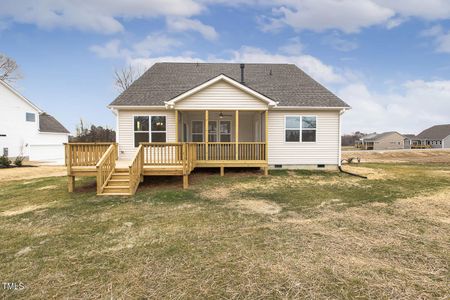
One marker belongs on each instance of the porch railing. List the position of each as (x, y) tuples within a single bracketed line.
[(105, 168), (163, 153), (226, 151)]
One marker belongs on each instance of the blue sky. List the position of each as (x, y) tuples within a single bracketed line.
[(390, 60)]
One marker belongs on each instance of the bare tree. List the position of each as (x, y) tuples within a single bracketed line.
[(125, 77), (9, 69)]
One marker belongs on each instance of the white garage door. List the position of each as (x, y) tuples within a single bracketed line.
[(51, 154)]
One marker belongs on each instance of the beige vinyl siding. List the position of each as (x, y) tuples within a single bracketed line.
[(392, 141), (324, 151), (221, 96), (125, 129), (446, 142)]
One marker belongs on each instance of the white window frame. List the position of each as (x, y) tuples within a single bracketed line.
[(30, 113), (230, 134), (217, 130), (149, 128), (301, 128), (203, 131)]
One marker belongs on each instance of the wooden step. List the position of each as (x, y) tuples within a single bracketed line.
[(120, 176), (116, 189), (119, 182), (122, 170)]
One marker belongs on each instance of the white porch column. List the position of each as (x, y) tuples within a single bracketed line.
[(237, 134)]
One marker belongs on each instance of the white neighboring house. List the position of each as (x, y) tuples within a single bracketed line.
[(26, 130)]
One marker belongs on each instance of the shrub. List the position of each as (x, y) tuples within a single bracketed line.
[(4, 161), (19, 160)]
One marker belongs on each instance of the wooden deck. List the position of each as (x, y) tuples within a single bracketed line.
[(122, 177)]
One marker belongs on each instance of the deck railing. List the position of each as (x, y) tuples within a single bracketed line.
[(86, 154), (226, 151), (163, 153), (105, 168), (136, 169)]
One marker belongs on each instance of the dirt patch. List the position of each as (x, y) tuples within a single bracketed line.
[(218, 193), (48, 187), (22, 210), (31, 173), (23, 251), (257, 206), (370, 173), (398, 156)]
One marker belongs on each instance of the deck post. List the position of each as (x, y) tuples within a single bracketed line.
[(266, 132), (185, 181), (70, 183), (206, 134), (222, 170), (176, 126), (237, 133)]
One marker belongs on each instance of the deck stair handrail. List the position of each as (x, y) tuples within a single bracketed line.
[(136, 169), (105, 167)]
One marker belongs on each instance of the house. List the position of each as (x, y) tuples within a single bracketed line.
[(181, 116), (390, 140), (409, 140), (26, 130), (437, 136)]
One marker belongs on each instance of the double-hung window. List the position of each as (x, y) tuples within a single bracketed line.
[(300, 128), (149, 129), (212, 131), (197, 131)]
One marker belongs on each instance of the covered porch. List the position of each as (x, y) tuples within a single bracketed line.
[(225, 138)]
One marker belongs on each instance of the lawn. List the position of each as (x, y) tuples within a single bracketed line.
[(294, 234)]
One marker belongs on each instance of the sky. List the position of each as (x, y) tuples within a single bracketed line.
[(389, 60)]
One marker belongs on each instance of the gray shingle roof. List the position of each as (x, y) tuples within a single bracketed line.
[(48, 123), (437, 132), (284, 83), (379, 136)]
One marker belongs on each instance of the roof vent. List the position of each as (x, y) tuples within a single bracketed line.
[(242, 73)]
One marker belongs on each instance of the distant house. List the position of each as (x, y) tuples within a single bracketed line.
[(391, 140), (437, 136), (409, 140), (26, 130)]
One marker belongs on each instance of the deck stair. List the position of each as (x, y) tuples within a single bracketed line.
[(119, 183)]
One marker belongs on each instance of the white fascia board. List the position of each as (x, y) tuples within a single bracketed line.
[(21, 96), (136, 107), (343, 109), (234, 83)]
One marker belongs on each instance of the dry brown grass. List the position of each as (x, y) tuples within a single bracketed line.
[(31, 172), (212, 242), (407, 156)]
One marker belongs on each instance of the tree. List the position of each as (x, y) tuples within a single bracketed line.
[(93, 134), (125, 77), (9, 69)]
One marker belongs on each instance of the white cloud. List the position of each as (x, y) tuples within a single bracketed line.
[(153, 44), (293, 47), (310, 64), (94, 15), (441, 38), (185, 24), (418, 105), (111, 49), (339, 43), (349, 16)]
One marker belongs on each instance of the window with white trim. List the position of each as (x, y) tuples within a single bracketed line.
[(149, 129), (30, 117), (212, 131), (225, 131), (292, 128), (300, 128), (197, 131)]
